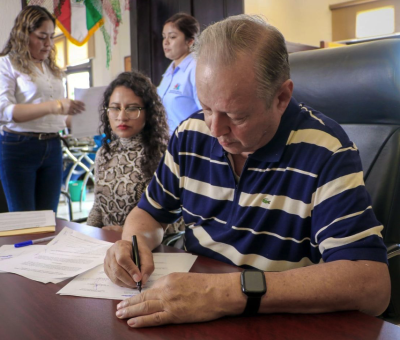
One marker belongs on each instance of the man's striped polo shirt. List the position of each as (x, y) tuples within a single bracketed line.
[(300, 199)]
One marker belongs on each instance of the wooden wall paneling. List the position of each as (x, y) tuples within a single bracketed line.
[(185, 6), (234, 7), (161, 10), (144, 36), (133, 21), (147, 19), (208, 11)]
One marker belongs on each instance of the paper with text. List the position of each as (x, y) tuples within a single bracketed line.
[(96, 284), (26, 222), (8, 251), (87, 123), (70, 253)]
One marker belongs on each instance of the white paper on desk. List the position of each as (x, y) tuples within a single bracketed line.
[(96, 284), (8, 251), (179, 262), (26, 219), (86, 124), (70, 253)]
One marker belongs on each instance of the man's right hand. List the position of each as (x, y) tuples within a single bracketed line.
[(120, 268)]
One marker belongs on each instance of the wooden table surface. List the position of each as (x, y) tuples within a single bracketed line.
[(32, 310)]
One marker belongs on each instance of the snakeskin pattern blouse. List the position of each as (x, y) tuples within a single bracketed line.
[(119, 182)]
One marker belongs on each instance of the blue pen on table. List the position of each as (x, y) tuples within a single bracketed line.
[(136, 259), (30, 242)]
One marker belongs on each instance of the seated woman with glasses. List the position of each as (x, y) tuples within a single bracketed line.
[(134, 122)]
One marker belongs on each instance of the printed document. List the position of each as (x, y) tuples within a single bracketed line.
[(27, 222), (96, 284), (8, 251), (87, 123), (70, 253)]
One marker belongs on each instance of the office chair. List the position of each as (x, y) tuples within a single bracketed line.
[(78, 164), (359, 87), (176, 240)]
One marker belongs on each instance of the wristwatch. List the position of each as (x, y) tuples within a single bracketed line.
[(254, 286)]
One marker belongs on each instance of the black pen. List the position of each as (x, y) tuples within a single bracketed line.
[(136, 259)]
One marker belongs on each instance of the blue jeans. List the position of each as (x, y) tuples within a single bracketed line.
[(30, 171)]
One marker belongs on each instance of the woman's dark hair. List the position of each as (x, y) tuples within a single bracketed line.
[(155, 134), (187, 24), (17, 46)]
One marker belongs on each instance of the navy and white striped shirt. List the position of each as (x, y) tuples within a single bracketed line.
[(300, 199)]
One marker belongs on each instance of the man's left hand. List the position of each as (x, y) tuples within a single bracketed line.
[(184, 298)]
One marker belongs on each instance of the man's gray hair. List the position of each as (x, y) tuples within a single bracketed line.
[(226, 40)]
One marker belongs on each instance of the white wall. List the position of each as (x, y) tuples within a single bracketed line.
[(101, 75), (300, 21), (9, 10)]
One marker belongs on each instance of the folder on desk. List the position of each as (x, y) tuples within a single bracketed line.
[(27, 222)]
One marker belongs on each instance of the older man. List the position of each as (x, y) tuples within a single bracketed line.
[(262, 182)]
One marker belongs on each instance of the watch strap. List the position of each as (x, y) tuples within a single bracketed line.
[(252, 306)]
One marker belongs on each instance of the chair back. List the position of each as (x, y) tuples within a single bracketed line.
[(359, 87)]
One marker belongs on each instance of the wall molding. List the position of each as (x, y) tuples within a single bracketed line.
[(350, 4)]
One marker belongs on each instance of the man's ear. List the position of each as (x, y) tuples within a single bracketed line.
[(283, 95)]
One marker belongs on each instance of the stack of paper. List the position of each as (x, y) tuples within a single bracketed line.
[(27, 222), (70, 253), (8, 251), (96, 284)]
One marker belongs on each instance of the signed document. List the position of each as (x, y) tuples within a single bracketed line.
[(96, 284)]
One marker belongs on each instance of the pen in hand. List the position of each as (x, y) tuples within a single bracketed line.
[(136, 259), (28, 243)]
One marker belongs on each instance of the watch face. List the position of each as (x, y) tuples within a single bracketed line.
[(253, 282)]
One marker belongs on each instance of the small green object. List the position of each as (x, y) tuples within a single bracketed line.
[(265, 200), (75, 190)]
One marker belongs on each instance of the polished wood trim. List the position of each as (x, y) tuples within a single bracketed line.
[(350, 4), (127, 64)]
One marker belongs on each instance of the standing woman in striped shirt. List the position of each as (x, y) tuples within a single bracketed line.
[(32, 112)]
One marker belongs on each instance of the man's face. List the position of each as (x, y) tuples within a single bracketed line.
[(232, 111)]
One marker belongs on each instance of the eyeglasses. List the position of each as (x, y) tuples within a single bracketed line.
[(132, 112)]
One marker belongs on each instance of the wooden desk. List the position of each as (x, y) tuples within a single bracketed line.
[(32, 310)]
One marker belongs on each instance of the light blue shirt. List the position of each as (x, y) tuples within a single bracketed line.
[(178, 91)]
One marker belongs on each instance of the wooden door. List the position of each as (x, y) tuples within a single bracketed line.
[(147, 19)]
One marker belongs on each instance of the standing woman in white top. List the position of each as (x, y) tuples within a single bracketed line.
[(32, 112), (178, 88)]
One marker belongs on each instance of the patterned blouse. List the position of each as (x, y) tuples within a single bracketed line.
[(119, 182)]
